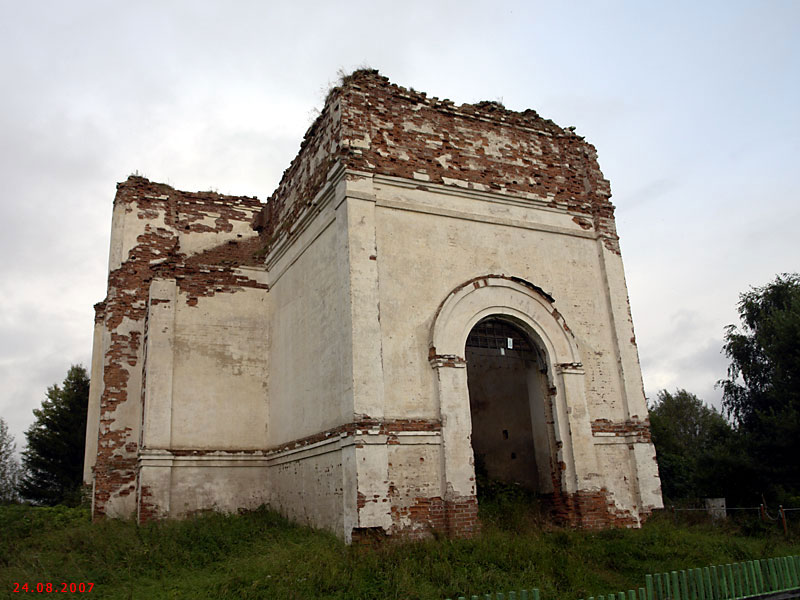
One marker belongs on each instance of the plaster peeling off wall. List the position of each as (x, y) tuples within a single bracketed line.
[(153, 227), (310, 352)]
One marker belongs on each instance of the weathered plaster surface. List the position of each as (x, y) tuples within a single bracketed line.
[(310, 352), (219, 391)]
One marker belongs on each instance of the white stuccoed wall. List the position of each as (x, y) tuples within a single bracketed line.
[(327, 376)]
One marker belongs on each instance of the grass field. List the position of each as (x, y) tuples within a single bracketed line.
[(261, 555)]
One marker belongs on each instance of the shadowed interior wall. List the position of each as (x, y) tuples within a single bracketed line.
[(503, 374)]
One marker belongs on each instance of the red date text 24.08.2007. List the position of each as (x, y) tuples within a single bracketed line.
[(52, 588)]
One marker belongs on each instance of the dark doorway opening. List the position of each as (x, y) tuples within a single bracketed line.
[(507, 380)]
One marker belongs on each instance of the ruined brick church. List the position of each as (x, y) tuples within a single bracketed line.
[(432, 297)]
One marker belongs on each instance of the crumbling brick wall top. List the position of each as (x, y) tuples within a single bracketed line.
[(162, 217), (141, 189), (370, 124)]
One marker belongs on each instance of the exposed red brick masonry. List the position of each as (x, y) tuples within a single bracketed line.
[(367, 125), (148, 511), (157, 253), (589, 510), (456, 518), (370, 124), (388, 427), (632, 427)]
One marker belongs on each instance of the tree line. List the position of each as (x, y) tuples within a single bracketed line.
[(748, 453), (751, 451), (51, 471)]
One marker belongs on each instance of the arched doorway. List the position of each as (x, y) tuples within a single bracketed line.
[(508, 387), (564, 451)]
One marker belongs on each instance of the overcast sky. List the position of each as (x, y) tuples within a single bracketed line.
[(693, 107)]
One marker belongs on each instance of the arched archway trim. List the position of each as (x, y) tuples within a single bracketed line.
[(533, 310), (512, 297)]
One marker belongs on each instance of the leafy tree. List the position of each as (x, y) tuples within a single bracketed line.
[(762, 391), (53, 459), (695, 447), (9, 466)]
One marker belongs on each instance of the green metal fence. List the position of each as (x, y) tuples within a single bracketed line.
[(520, 595), (721, 582)]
